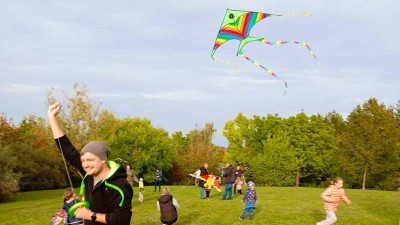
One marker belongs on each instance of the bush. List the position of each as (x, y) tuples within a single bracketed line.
[(38, 171), (8, 184), (8, 179)]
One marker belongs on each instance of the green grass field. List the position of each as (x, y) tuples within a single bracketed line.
[(276, 205)]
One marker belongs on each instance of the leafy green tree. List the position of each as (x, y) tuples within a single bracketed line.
[(201, 148), (147, 148), (276, 165), (34, 132), (339, 124), (83, 119), (313, 143), (8, 179), (246, 136), (181, 146), (371, 142), (80, 116), (238, 132), (38, 171), (9, 133), (195, 149), (337, 121)]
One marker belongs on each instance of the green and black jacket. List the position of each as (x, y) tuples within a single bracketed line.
[(112, 196)]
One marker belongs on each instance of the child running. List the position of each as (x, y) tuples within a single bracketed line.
[(331, 197), (250, 197)]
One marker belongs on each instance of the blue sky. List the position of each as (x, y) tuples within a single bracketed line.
[(151, 59)]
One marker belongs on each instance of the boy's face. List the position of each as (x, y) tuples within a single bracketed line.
[(252, 187), (92, 164)]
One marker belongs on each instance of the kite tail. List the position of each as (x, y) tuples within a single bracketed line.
[(305, 44), (263, 67), (296, 14), (230, 64)]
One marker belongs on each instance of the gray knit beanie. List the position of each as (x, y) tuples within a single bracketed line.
[(98, 148)]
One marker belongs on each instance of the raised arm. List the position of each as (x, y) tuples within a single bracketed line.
[(52, 114)]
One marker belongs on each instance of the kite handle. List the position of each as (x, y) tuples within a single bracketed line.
[(71, 211)]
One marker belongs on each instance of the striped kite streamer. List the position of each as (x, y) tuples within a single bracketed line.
[(263, 67)]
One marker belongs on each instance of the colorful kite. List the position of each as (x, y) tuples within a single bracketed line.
[(245, 167), (237, 25), (211, 181)]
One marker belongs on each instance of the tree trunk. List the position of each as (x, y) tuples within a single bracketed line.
[(298, 178), (364, 178)]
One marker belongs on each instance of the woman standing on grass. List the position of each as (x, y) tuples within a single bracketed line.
[(332, 196), (203, 171)]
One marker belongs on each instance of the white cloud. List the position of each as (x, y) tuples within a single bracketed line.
[(20, 88), (232, 81), (178, 96)]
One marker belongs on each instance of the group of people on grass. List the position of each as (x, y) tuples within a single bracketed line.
[(108, 194), (233, 180)]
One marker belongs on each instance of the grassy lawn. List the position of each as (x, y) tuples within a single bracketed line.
[(276, 205)]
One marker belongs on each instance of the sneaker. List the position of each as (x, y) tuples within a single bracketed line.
[(240, 218)]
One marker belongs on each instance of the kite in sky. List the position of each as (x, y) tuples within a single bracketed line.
[(237, 25)]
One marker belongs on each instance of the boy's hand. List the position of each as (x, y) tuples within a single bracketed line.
[(54, 109)]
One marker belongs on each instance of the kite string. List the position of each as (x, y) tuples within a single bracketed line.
[(65, 164), (229, 64), (263, 67), (296, 14)]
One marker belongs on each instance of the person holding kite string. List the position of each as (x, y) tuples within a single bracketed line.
[(108, 195)]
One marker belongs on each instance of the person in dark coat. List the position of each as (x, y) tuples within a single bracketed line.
[(167, 205), (203, 171), (229, 179), (104, 184), (157, 180)]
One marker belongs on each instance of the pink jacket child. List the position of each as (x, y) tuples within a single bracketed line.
[(239, 185), (332, 197)]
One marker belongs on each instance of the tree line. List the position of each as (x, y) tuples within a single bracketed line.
[(299, 150)]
